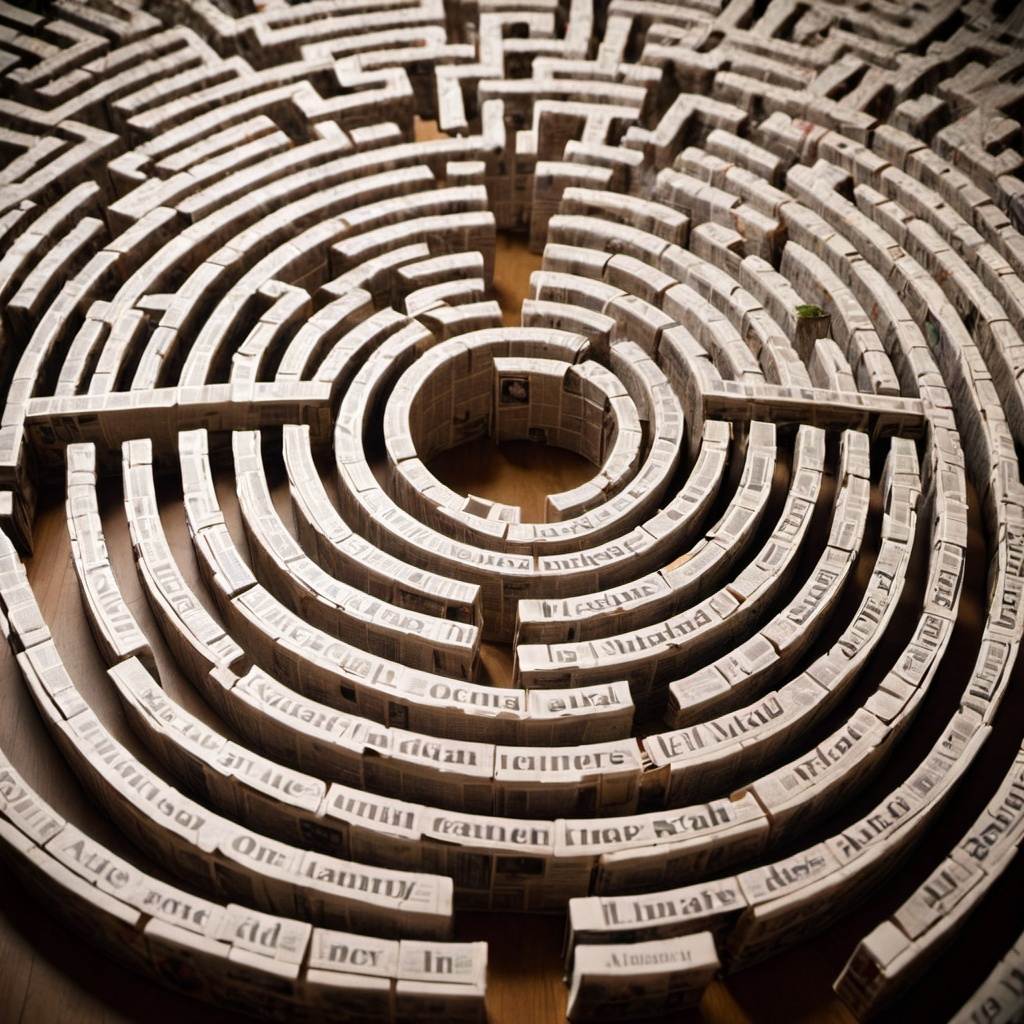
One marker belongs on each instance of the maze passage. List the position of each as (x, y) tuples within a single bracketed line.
[(750, 682)]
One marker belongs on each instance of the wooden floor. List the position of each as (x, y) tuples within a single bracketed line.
[(47, 976)]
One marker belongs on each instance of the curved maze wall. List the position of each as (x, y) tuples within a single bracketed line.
[(764, 660)]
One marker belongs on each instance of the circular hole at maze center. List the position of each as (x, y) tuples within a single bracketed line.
[(521, 473)]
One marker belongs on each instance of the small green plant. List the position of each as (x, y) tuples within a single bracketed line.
[(809, 311)]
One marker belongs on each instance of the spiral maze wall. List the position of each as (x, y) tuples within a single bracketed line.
[(247, 299)]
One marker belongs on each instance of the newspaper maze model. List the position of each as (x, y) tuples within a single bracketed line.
[(779, 310)]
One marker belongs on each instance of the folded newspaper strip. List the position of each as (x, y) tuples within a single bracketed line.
[(631, 981)]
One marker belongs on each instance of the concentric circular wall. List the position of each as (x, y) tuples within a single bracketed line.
[(726, 725)]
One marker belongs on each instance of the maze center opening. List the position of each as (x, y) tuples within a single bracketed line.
[(521, 473)]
